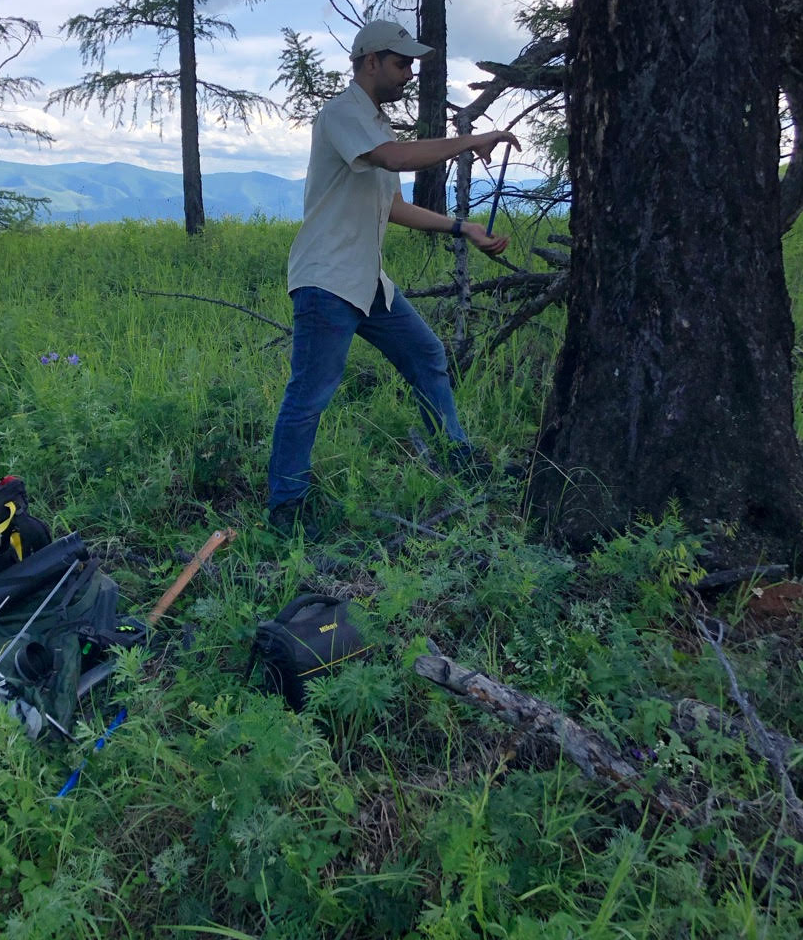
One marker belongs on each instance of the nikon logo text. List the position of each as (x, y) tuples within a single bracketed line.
[(327, 627)]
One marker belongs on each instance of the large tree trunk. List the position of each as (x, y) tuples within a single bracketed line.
[(190, 154), (429, 189), (675, 377)]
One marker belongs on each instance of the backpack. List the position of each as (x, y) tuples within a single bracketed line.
[(58, 614), (306, 639), (20, 533)]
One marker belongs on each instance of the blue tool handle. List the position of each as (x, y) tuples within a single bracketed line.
[(101, 741), (498, 191), (119, 719), (71, 782)]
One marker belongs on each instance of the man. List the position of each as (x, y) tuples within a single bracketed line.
[(335, 275)]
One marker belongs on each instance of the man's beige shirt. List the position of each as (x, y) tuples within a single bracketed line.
[(346, 203)]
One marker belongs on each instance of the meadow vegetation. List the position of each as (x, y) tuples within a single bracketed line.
[(385, 809)]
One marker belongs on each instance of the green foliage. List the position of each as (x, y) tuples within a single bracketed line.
[(384, 810), (309, 86), (647, 563), (155, 90), (348, 704), (17, 210)]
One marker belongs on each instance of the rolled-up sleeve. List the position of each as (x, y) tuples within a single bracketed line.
[(353, 133)]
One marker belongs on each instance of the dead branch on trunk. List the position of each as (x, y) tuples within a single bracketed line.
[(527, 76), (521, 279), (554, 293), (223, 303), (553, 257), (541, 721), (536, 64), (534, 57)]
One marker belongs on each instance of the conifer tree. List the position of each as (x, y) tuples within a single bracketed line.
[(16, 35), (126, 93)]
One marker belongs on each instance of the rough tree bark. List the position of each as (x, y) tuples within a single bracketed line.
[(190, 152), (675, 377), (429, 188)]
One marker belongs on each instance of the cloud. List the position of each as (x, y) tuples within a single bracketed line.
[(272, 147), (475, 31)]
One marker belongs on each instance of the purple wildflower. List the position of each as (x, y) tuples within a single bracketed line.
[(74, 359), (44, 360), (53, 357), (643, 753)]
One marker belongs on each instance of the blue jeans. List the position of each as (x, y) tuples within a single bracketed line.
[(323, 327)]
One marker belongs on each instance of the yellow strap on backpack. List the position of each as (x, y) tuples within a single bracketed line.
[(14, 538), (11, 506)]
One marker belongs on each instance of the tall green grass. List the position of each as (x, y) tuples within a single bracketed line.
[(385, 810)]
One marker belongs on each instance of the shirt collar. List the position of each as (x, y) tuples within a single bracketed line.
[(364, 100)]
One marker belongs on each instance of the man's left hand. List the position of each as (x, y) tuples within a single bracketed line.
[(490, 244)]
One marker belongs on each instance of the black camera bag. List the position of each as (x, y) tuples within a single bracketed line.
[(307, 638)]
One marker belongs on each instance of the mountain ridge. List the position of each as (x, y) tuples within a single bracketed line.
[(111, 192), (84, 192)]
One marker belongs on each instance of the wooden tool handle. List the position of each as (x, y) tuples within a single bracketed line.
[(215, 540)]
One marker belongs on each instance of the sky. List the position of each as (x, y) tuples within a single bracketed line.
[(249, 62)]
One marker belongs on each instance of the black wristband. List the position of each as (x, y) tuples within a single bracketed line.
[(457, 228)]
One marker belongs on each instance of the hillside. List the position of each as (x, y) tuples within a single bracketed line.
[(111, 192)]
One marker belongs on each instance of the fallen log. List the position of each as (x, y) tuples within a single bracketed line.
[(536, 718), (542, 723), (723, 579), (763, 741), (690, 714)]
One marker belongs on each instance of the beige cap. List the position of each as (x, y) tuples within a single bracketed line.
[(379, 35)]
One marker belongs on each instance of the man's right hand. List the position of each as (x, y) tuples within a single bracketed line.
[(490, 244), (484, 144)]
